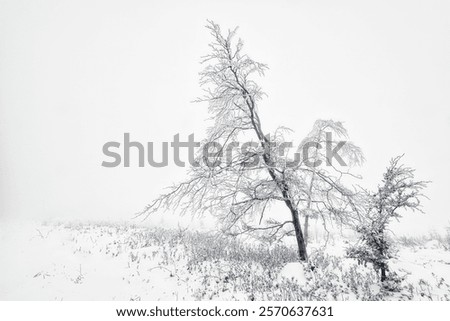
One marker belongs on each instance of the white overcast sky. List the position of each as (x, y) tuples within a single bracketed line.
[(76, 74)]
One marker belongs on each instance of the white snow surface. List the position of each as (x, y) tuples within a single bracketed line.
[(56, 262), (294, 271)]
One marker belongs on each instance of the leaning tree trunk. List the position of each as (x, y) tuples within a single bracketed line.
[(301, 244), (285, 191), (299, 236), (306, 227), (280, 182), (288, 200)]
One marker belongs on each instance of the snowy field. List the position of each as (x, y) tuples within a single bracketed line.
[(123, 262)]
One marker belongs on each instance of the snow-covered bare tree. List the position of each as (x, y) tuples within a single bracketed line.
[(323, 200), (398, 191), (240, 190)]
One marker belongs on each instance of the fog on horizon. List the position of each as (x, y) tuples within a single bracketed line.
[(73, 79)]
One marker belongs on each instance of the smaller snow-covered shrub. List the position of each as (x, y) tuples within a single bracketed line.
[(399, 190)]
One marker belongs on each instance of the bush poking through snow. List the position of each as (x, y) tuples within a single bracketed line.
[(398, 191)]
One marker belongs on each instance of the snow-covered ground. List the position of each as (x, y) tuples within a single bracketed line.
[(123, 262)]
